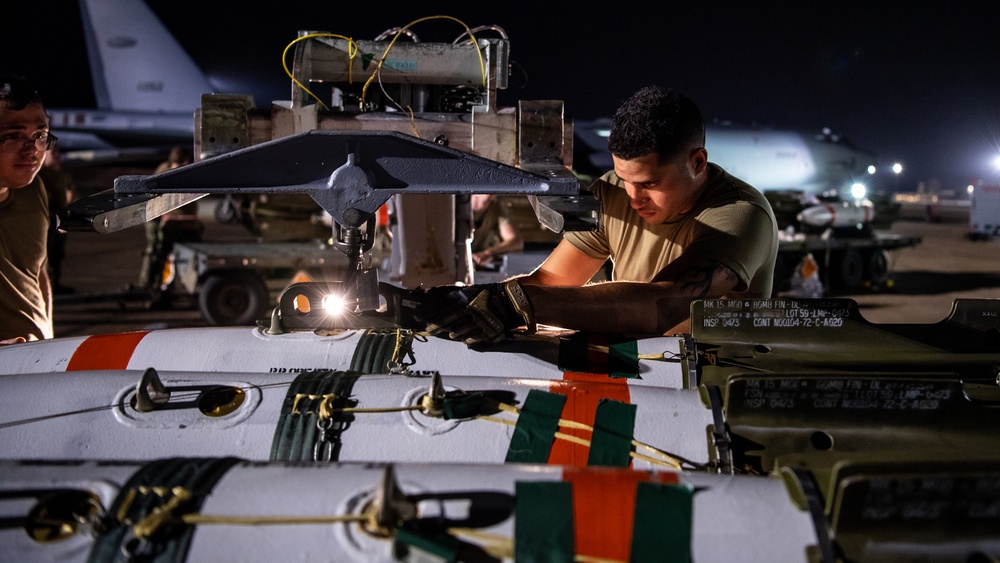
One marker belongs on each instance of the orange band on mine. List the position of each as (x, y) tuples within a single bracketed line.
[(105, 351), (604, 508), (583, 391)]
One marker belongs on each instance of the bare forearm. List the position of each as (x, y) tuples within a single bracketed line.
[(512, 245), (618, 307), (631, 307)]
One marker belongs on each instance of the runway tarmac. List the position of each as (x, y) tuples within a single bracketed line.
[(926, 279)]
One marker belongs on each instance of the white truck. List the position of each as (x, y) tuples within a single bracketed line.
[(984, 211)]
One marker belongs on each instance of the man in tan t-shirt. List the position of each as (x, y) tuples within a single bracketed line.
[(25, 296), (677, 228)]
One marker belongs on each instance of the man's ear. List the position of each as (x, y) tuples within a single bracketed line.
[(698, 161)]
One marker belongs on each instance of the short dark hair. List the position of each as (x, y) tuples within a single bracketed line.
[(16, 93), (180, 155), (657, 120)]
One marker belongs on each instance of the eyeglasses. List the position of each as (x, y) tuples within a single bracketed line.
[(41, 141)]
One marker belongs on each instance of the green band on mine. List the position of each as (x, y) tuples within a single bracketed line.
[(662, 529), (536, 428), (623, 359), (614, 426), (543, 521)]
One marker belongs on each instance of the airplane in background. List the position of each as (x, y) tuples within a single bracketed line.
[(148, 88), (821, 165), (146, 85)]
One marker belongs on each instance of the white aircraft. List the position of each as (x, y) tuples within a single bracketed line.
[(770, 160), (146, 86)]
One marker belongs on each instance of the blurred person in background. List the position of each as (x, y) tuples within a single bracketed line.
[(493, 234), (179, 225)]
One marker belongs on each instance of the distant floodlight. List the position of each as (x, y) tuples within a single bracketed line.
[(871, 168), (858, 191), (970, 188), (996, 162), (897, 168)]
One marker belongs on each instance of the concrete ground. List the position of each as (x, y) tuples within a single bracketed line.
[(926, 279)]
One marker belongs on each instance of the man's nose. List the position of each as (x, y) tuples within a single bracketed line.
[(637, 197)]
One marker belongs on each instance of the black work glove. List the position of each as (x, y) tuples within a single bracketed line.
[(476, 314)]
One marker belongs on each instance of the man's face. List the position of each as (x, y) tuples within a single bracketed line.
[(20, 161), (659, 191)]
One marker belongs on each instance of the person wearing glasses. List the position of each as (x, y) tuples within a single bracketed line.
[(25, 295)]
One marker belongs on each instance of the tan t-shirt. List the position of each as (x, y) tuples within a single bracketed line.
[(24, 223), (487, 227), (732, 223)]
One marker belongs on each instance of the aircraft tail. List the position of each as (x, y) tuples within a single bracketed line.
[(135, 62)]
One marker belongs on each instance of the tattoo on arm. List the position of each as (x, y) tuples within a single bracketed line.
[(698, 280)]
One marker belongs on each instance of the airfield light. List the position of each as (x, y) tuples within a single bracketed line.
[(858, 191), (970, 188), (897, 168), (996, 162), (333, 304), (871, 168)]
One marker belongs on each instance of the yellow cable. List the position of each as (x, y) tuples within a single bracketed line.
[(574, 439), (147, 526), (497, 419), (352, 51), (591, 559), (269, 520), (502, 547), (495, 545), (669, 460), (378, 68), (380, 410), (397, 351), (326, 408)]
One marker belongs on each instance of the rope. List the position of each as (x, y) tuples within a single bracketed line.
[(381, 60), (352, 51), (668, 460), (494, 544), (326, 409), (203, 519), (148, 526), (403, 347)]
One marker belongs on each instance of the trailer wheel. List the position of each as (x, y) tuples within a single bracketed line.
[(851, 269), (232, 298), (878, 267), (225, 210)]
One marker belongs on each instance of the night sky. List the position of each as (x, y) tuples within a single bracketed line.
[(917, 82)]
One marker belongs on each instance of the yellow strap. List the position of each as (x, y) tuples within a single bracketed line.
[(325, 406), (665, 460), (203, 519), (326, 409), (148, 525)]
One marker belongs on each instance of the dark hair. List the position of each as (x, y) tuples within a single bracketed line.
[(16, 93), (180, 155), (657, 120)]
